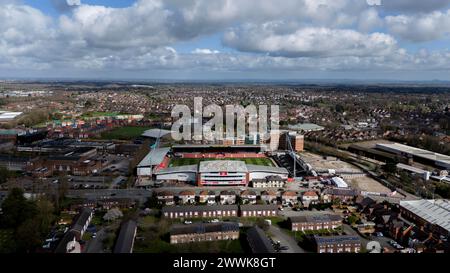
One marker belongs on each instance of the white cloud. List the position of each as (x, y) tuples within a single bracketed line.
[(204, 51), (271, 38), (426, 27)]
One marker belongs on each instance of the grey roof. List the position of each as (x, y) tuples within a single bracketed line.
[(156, 133), (200, 228), (155, 157), (81, 219), (342, 239), (258, 241), (434, 211), (306, 127), (258, 207), (179, 169), (125, 240), (341, 192), (199, 208), (441, 159), (62, 245), (222, 166), (268, 169), (319, 218)]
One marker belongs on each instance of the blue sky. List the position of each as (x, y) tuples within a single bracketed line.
[(225, 39)]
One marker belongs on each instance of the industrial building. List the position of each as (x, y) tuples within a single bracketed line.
[(432, 215), (422, 173), (423, 156)]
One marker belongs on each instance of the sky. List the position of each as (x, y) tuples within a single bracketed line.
[(225, 39)]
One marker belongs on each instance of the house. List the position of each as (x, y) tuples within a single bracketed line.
[(315, 222), (258, 241), (125, 240), (81, 222), (309, 197), (337, 244), (122, 203), (175, 212), (258, 210), (227, 197), (341, 194), (204, 232), (289, 198), (273, 181), (248, 197), (269, 197), (207, 197), (165, 198), (186, 197), (69, 244)]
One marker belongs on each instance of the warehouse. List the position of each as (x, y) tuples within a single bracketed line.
[(434, 215), (423, 156)]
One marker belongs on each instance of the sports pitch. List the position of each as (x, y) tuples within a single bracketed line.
[(192, 161)]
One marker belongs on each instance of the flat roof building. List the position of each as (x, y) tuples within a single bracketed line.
[(434, 215)]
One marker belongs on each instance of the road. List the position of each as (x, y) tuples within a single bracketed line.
[(285, 240)]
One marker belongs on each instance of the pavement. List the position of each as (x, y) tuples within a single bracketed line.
[(285, 240)]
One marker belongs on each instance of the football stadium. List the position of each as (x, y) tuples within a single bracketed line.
[(204, 165)]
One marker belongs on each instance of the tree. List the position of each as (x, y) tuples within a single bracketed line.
[(17, 209), (28, 236), (5, 174)]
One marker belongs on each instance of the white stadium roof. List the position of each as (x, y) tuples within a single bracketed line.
[(222, 166), (155, 157), (156, 133), (434, 211), (268, 169)]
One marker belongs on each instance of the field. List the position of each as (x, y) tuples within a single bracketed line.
[(124, 133), (192, 161), (99, 114)]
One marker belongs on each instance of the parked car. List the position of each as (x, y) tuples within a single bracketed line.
[(187, 222)]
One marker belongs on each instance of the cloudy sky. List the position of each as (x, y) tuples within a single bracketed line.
[(225, 39)]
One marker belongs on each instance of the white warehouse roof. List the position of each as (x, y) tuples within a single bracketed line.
[(434, 211), (222, 166), (156, 133), (339, 182)]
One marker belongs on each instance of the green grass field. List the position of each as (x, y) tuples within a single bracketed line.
[(192, 161), (124, 133)]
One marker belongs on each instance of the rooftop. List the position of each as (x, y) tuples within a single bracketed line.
[(342, 239), (156, 133), (258, 241), (179, 169), (268, 169), (126, 236), (306, 127), (434, 211), (199, 208), (222, 166), (155, 157), (319, 218), (200, 228), (441, 159)]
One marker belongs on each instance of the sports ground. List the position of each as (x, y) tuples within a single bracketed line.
[(192, 161)]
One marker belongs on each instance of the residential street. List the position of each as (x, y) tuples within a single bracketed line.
[(285, 240)]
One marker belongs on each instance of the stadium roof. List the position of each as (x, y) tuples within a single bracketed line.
[(222, 166), (434, 211), (155, 157), (179, 169), (156, 133), (268, 169), (439, 159), (306, 127)]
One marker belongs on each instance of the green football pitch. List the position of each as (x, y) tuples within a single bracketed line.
[(193, 161)]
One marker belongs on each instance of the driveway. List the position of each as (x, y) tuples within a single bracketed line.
[(285, 240)]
